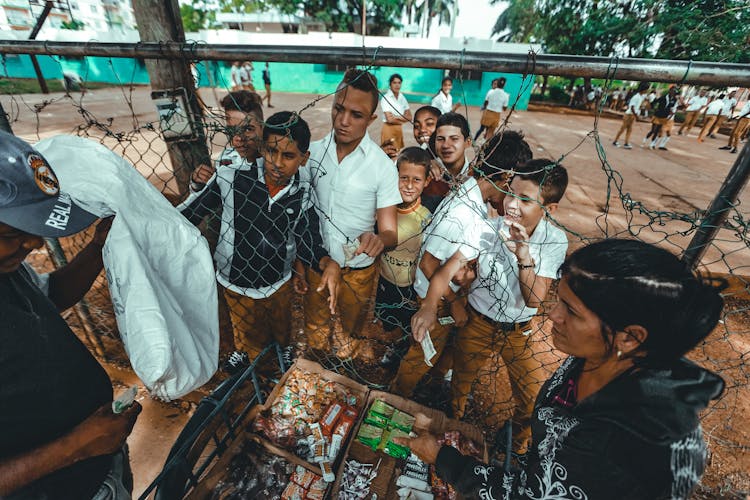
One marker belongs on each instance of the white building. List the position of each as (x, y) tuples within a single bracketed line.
[(96, 15)]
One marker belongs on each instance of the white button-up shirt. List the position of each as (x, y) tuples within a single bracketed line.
[(348, 194), (392, 104), (443, 102)]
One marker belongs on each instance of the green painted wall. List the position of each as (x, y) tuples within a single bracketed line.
[(419, 85)]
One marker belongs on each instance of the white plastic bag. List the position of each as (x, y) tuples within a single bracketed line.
[(159, 267)]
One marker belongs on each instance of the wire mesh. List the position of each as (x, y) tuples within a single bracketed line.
[(257, 240)]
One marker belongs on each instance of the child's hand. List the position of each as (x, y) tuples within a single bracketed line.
[(371, 244), (300, 284), (389, 148), (519, 240), (423, 321), (202, 174), (331, 280), (436, 170), (425, 446)]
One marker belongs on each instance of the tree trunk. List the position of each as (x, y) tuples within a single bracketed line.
[(544, 85)]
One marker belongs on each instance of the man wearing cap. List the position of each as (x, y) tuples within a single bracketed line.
[(60, 438)]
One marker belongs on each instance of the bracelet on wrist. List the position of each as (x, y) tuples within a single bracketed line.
[(530, 265)]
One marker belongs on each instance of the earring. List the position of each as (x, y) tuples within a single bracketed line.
[(619, 354)]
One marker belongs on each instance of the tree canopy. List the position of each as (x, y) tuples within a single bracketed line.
[(708, 30)]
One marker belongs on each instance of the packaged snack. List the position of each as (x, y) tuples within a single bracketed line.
[(335, 446), (319, 452), (293, 491), (369, 435), (317, 432), (330, 418), (392, 449), (317, 489), (327, 469), (383, 408), (303, 477), (402, 421)]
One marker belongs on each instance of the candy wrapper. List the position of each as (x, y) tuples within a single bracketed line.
[(253, 473), (356, 480)]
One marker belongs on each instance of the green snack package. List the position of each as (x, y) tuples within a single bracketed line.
[(403, 421), (383, 408), (376, 419), (369, 435), (395, 450)]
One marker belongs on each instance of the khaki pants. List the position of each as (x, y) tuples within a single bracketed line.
[(395, 132), (413, 367), (739, 129), (355, 291), (719, 122), (690, 118), (627, 127), (258, 322), (477, 343), (707, 124)]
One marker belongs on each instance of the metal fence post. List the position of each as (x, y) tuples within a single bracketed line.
[(719, 208)]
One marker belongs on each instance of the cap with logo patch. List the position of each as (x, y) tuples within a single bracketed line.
[(30, 196)]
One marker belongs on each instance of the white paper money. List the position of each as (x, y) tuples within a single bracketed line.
[(428, 348)]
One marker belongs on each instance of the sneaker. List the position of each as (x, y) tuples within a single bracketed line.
[(663, 148), (616, 144), (627, 146), (734, 151), (726, 148), (652, 146), (712, 136), (236, 362), (679, 132)]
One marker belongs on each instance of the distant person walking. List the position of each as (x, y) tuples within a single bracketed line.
[(235, 76), (729, 104), (443, 100), (695, 107), (494, 103), (663, 108), (712, 115), (396, 112), (267, 84), (742, 126), (246, 76), (634, 106)]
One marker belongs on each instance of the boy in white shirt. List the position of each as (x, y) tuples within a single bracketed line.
[(712, 115), (495, 103), (634, 106), (729, 104), (743, 124), (695, 107), (519, 256)]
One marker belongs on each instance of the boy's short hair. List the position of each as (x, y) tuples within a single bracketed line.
[(446, 79), (501, 82), (455, 120), (243, 100), (363, 81), (643, 86), (417, 156), (428, 109), (501, 154), (288, 124), (393, 77), (549, 175)]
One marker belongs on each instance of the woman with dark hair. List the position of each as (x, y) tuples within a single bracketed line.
[(396, 112), (619, 419)]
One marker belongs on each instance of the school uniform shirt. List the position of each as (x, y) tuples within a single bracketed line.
[(729, 104), (496, 291), (399, 265), (443, 102), (497, 100), (456, 226), (634, 103), (260, 236), (665, 106), (348, 194), (715, 107), (745, 111), (392, 104), (696, 102)]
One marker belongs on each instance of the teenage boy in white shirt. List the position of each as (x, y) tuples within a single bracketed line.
[(695, 107), (355, 183), (634, 106), (729, 104)]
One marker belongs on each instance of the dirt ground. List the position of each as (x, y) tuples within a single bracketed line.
[(668, 184)]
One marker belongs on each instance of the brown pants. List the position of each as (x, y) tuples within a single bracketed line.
[(719, 122), (627, 127), (477, 343), (258, 322), (354, 293), (739, 129), (690, 118), (413, 367), (395, 132), (707, 124)]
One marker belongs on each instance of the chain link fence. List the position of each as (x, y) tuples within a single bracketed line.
[(255, 243)]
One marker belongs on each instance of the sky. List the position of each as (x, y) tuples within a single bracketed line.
[(475, 19)]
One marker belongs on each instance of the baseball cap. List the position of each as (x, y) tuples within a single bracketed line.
[(30, 195)]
